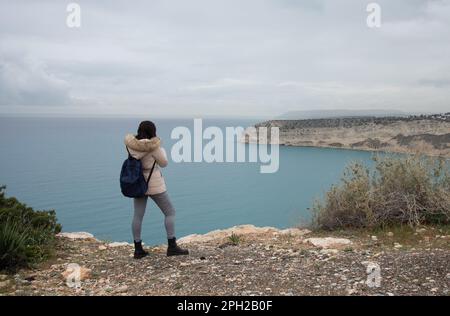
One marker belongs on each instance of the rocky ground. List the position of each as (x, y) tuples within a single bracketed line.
[(247, 260)]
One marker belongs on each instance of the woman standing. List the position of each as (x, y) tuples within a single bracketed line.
[(145, 146)]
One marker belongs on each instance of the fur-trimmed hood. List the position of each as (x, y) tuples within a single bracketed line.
[(143, 145)]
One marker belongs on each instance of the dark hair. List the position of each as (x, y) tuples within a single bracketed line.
[(146, 130)]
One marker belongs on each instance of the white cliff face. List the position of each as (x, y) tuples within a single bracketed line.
[(428, 136), (252, 135)]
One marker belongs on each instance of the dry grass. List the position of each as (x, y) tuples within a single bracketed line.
[(410, 190)]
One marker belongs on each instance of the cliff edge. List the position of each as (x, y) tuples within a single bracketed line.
[(247, 260)]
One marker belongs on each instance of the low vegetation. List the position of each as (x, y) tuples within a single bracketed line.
[(411, 190), (234, 239), (26, 236)]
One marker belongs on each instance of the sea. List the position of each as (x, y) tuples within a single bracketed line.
[(72, 166)]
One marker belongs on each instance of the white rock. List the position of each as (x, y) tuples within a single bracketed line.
[(220, 234), (374, 238), (329, 251), (76, 235), (390, 234), (351, 291), (397, 245), (294, 232), (118, 244), (328, 242), (102, 247), (122, 289)]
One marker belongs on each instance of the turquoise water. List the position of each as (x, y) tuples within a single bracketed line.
[(72, 166)]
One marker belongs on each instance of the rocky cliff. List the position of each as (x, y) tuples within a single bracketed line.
[(415, 134)]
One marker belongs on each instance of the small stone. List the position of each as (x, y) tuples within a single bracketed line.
[(390, 294), (30, 278), (102, 247), (329, 251), (390, 234), (122, 289), (397, 245), (374, 238), (351, 291)]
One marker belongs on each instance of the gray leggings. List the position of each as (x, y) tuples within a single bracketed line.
[(163, 202)]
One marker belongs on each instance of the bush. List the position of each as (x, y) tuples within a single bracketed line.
[(410, 190), (26, 236)]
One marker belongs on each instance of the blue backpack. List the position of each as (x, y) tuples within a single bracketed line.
[(132, 181)]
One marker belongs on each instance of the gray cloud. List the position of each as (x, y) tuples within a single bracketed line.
[(438, 83), (224, 57), (24, 81)]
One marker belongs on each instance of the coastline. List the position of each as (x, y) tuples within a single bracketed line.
[(384, 151), (429, 136)]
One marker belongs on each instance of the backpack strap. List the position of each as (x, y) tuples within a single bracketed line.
[(151, 171)]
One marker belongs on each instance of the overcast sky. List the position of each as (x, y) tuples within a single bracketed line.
[(223, 57)]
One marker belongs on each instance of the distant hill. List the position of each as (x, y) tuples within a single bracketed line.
[(316, 114)]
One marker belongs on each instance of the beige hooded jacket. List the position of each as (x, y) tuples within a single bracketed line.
[(147, 151)]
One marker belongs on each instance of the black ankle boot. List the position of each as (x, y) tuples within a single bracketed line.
[(139, 252), (174, 250)]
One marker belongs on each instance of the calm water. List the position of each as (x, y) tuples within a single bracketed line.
[(72, 166)]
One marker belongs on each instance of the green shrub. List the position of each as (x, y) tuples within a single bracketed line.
[(410, 190), (26, 236), (12, 245), (234, 239)]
